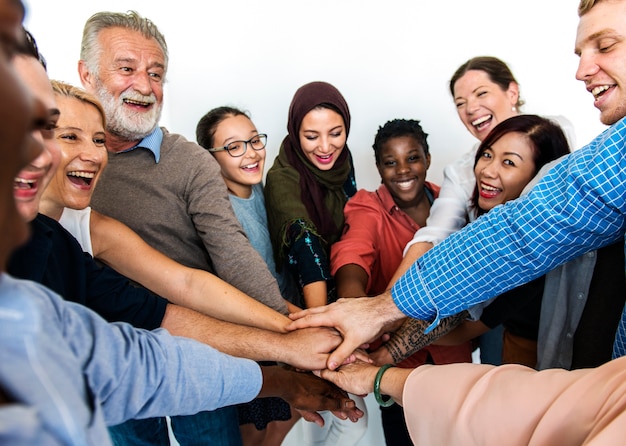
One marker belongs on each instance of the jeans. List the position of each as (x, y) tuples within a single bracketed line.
[(216, 428)]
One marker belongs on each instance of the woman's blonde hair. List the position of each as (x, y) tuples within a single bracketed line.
[(70, 91)]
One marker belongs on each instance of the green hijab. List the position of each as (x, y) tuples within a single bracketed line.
[(296, 190)]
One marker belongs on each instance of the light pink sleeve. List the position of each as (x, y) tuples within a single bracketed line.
[(471, 404)]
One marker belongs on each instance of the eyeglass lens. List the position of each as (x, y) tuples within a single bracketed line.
[(238, 148)]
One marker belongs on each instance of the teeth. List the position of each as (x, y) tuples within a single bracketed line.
[(143, 104), (24, 184), (597, 91), (405, 184), (89, 175), (489, 188), (479, 121), (24, 181), (251, 166)]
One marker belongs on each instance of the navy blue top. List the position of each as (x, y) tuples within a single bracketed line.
[(54, 258)]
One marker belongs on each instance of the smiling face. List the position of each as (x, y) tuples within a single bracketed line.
[(129, 82), (504, 169), (601, 45), (402, 167), (322, 137), (240, 173), (30, 183), (20, 113), (80, 135), (481, 103)]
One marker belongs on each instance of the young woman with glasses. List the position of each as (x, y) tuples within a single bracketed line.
[(231, 136)]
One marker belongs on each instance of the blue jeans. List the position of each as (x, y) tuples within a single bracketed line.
[(216, 428)]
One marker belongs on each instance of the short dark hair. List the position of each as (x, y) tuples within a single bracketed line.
[(28, 47), (207, 125), (396, 128)]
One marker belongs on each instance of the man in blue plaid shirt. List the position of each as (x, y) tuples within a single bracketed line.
[(579, 206)]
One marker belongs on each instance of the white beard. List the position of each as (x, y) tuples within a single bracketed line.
[(128, 124)]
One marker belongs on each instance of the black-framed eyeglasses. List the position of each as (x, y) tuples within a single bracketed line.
[(238, 148)]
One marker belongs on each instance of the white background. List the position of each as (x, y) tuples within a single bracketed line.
[(390, 59)]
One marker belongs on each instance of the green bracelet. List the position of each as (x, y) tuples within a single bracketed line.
[(379, 399)]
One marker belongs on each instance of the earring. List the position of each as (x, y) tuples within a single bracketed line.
[(514, 108)]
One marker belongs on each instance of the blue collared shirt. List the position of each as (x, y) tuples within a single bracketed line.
[(70, 373), (152, 142), (579, 206)]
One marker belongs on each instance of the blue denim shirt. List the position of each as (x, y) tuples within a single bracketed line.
[(70, 373)]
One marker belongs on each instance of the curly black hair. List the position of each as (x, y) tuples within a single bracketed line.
[(396, 128)]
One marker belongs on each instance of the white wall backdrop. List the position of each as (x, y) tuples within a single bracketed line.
[(390, 59)]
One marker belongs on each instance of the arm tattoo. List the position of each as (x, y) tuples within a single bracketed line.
[(410, 336)]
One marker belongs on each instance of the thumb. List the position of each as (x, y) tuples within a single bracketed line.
[(341, 353)]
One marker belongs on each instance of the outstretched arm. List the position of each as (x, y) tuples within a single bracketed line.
[(351, 281), (305, 349), (119, 247), (359, 321), (413, 253), (306, 392), (315, 294), (410, 338), (358, 378)]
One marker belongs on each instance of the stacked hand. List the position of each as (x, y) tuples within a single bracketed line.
[(358, 320), (308, 394)]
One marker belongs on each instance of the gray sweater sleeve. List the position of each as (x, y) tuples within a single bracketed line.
[(233, 257)]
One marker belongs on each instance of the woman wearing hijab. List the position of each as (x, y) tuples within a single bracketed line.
[(308, 186), (306, 189)]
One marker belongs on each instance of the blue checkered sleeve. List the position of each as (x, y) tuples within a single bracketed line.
[(579, 206)]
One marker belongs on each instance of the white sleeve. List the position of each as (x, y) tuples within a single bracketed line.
[(450, 210)]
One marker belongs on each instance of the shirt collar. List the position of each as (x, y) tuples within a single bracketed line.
[(152, 142), (386, 199), (390, 205)]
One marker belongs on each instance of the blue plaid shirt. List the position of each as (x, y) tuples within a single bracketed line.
[(579, 206)]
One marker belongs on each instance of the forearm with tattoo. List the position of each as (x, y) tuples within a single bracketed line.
[(410, 336)]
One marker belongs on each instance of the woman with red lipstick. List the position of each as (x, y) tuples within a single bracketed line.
[(506, 161), (305, 192), (485, 93)]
